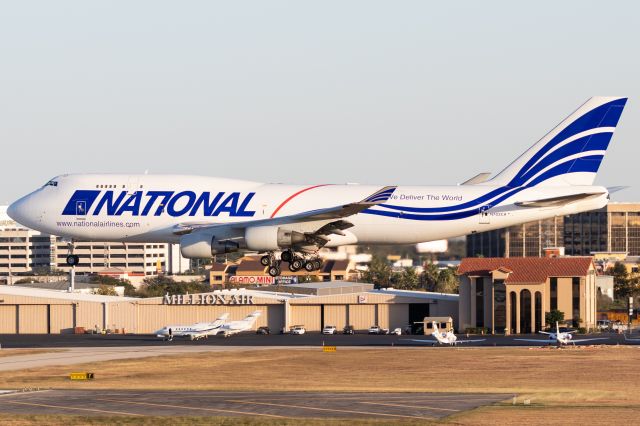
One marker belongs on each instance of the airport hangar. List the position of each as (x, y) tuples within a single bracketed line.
[(313, 305)]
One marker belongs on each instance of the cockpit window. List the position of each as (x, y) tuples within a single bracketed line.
[(51, 183)]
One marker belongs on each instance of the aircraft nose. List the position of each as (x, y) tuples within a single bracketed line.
[(20, 211)]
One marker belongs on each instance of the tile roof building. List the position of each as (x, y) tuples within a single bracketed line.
[(511, 295)]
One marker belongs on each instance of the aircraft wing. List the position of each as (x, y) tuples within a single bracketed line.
[(470, 341), (541, 341), (420, 340), (588, 340), (329, 220), (558, 201)]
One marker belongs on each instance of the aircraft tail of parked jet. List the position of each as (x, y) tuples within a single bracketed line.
[(571, 153)]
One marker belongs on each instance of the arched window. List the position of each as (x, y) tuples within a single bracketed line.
[(525, 311)]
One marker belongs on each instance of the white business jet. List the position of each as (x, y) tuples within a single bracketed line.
[(445, 337), (234, 327), (195, 331), (560, 338), (290, 223)]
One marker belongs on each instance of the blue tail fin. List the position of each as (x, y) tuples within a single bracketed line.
[(571, 153)]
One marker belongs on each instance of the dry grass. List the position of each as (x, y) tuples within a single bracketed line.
[(591, 384), (15, 352)]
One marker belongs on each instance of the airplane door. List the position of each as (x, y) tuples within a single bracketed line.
[(485, 219)]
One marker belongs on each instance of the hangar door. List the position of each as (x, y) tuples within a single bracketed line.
[(361, 317), (33, 319), (335, 315), (309, 316), (8, 319), (275, 317), (62, 320)]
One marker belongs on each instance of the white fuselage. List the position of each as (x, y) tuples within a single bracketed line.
[(152, 208)]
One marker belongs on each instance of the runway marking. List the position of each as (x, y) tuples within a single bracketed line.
[(408, 406), (34, 404), (219, 410), (337, 410)]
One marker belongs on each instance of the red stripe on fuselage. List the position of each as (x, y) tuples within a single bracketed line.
[(293, 196)]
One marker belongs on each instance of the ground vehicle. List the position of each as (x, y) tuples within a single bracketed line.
[(298, 329), (263, 330), (397, 331), (348, 329), (374, 329), (329, 329), (603, 325)]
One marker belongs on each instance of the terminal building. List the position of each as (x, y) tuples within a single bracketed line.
[(313, 305), (614, 228), (512, 295), (24, 251)]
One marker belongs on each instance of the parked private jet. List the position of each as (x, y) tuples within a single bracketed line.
[(290, 223), (234, 327), (560, 338), (195, 331), (444, 338)]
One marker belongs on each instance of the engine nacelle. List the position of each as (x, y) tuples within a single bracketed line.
[(209, 242), (266, 238)]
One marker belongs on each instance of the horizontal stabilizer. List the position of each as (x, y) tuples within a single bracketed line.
[(558, 201), (479, 178)]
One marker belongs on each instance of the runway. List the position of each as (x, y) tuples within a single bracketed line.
[(390, 406)]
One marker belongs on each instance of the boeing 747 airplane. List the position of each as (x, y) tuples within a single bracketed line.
[(290, 223)]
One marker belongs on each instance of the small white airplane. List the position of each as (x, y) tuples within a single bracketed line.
[(444, 338), (560, 338), (291, 223), (234, 327), (195, 331)]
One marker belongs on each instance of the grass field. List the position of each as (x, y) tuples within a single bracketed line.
[(14, 352), (570, 385)]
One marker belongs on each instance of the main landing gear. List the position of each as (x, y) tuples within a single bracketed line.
[(296, 261)]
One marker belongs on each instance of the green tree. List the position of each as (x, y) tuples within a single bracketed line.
[(553, 316), (106, 290), (160, 285), (408, 279), (624, 285), (430, 276), (448, 281), (379, 273)]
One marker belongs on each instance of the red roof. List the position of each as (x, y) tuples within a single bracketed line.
[(527, 269)]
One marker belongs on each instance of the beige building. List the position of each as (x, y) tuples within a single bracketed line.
[(28, 310), (512, 295)]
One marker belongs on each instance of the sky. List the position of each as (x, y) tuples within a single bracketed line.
[(412, 92)]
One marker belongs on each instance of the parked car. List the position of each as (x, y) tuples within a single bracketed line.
[(329, 329), (397, 331), (603, 325), (298, 329), (348, 329), (263, 330), (378, 330)]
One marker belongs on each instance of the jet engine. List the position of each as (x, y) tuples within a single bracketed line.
[(210, 242), (267, 238)]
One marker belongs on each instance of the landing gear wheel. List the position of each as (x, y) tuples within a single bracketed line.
[(73, 260), (265, 260), (286, 256), (309, 266), (274, 271), (317, 264), (292, 269), (296, 264)]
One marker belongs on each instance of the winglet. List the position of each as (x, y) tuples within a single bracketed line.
[(380, 196)]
